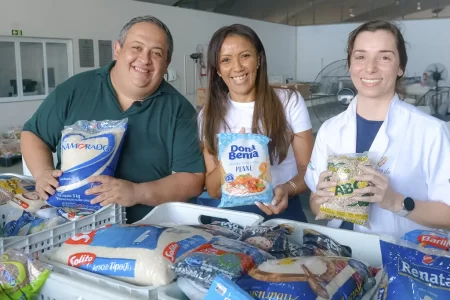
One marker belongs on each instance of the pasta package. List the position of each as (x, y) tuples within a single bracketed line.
[(343, 206), (88, 148), (245, 169)]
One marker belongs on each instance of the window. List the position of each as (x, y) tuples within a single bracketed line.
[(30, 68)]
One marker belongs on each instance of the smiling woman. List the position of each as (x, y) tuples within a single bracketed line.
[(410, 185), (240, 100)]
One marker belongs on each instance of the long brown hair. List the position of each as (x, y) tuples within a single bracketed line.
[(268, 111)]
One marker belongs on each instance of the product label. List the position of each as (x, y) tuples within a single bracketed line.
[(119, 236), (351, 217), (104, 266), (175, 250), (414, 274), (87, 149), (347, 188), (245, 163)]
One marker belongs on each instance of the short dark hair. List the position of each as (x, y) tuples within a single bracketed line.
[(148, 19), (376, 25)]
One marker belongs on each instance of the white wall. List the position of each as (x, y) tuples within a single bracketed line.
[(103, 19), (317, 46)]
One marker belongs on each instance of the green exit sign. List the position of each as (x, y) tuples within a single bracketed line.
[(16, 32)]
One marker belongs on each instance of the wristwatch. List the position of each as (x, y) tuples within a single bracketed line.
[(408, 206)]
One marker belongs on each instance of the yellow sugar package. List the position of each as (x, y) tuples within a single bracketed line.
[(343, 206)]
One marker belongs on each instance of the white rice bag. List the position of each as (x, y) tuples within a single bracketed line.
[(137, 254), (245, 169), (29, 201), (87, 149)]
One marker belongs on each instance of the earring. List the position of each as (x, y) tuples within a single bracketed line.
[(219, 74)]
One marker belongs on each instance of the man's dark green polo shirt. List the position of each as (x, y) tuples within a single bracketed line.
[(162, 132)]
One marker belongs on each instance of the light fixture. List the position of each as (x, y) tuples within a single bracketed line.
[(418, 6), (397, 2), (351, 13)]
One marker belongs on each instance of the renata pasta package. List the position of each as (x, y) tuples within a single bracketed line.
[(245, 169)]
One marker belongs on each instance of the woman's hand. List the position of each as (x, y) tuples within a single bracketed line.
[(323, 193), (381, 190), (279, 202)]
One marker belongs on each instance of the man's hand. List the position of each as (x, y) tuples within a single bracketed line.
[(47, 182), (113, 191), (279, 202)]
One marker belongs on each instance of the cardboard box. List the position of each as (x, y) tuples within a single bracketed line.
[(302, 88), (201, 98)]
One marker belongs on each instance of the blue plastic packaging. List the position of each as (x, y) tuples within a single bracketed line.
[(223, 288), (245, 169), (428, 239), (415, 274), (88, 148)]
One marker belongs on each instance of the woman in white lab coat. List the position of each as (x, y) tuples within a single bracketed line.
[(412, 176)]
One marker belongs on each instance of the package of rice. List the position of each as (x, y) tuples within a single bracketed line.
[(137, 254), (343, 206), (87, 149), (245, 169)]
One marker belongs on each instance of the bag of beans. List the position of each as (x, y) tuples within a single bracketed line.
[(343, 206)]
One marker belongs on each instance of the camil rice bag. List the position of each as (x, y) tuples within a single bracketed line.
[(245, 169), (87, 149), (343, 206), (137, 254)]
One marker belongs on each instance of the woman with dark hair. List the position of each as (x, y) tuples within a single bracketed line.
[(411, 180), (239, 99)]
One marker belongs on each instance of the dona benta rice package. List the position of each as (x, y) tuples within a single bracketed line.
[(245, 169), (88, 148)]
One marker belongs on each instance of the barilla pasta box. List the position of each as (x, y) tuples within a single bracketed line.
[(88, 148), (245, 169), (415, 273), (223, 288)]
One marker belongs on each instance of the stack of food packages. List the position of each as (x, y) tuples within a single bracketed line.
[(26, 212), (259, 262), (10, 143)]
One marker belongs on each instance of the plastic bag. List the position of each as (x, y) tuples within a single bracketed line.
[(29, 201), (272, 239), (220, 256), (343, 206), (87, 149), (225, 229), (8, 188), (318, 244), (245, 169), (137, 254), (438, 240), (21, 277), (17, 222), (71, 214), (415, 273), (309, 278)]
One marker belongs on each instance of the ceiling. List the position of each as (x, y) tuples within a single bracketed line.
[(311, 12)]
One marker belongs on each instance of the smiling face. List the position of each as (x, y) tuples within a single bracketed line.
[(238, 67), (375, 64), (141, 61)]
